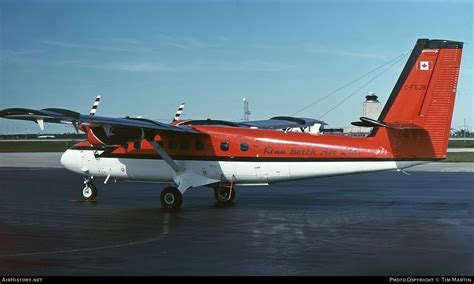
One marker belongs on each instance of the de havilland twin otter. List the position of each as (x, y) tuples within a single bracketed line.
[(412, 129)]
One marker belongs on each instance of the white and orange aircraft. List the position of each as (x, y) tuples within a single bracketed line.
[(412, 129)]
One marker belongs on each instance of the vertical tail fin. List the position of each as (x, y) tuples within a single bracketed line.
[(178, 112), (95, 105), (422, 102)]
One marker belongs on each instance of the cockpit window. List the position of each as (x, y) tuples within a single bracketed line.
[(225, 146), (199, 145)]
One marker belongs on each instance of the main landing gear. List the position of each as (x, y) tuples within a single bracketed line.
[(89, 192), (171, 197), (224, 194)]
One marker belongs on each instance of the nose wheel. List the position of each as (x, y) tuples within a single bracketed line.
[(171, 197), (89, 192)]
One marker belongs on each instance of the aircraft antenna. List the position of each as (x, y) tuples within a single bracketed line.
[(360, 88), (246, 110), (395, 59)]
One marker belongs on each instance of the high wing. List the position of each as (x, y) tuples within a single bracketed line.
[(57, 115), (275, 123), (183, 179), (282, 122)]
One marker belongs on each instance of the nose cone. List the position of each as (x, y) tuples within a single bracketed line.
[(63, 159), (71, 160)]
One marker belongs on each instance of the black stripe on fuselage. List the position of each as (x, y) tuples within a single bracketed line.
[(109, 154)]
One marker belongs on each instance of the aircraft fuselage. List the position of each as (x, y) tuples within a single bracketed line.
[(246, 156)]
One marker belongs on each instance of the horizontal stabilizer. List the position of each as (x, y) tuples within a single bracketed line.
[(369, 122)]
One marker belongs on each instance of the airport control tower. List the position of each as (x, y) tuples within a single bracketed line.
[(371, 107)]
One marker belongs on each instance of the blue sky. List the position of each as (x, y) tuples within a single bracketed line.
[(146, 57)]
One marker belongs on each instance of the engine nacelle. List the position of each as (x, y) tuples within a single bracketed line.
[(115, 136)]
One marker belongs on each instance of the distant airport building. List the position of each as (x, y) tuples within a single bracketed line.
[(246, 110), (46, 137)]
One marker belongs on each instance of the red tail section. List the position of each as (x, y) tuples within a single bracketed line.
[(423, 98)]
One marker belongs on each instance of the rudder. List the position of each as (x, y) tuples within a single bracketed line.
[(420, 107)]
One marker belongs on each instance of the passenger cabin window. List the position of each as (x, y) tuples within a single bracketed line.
[(199, 145), (172, 144), (225, 146), (184, 145), (244, 146)]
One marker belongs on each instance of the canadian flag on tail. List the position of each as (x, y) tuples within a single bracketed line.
[(424, 65)]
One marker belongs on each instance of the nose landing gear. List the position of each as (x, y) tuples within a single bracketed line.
[(89, 192)]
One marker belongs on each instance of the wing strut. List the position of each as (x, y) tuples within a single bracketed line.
[(166, 157), (40, 122), (183, 178)]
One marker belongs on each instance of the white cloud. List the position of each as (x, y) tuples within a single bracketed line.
[(347, 53), (254, 65), (23, 51), (138, 67), (69, 62), (359, 54), (142, 67), (20, 55), (64, 44), (189, 42)]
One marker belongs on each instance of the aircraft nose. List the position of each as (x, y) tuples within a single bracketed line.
[(71, 160), (64, 158)]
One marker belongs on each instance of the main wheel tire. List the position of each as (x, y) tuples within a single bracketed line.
[(171, 197), (89, 192), (222, 194)]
